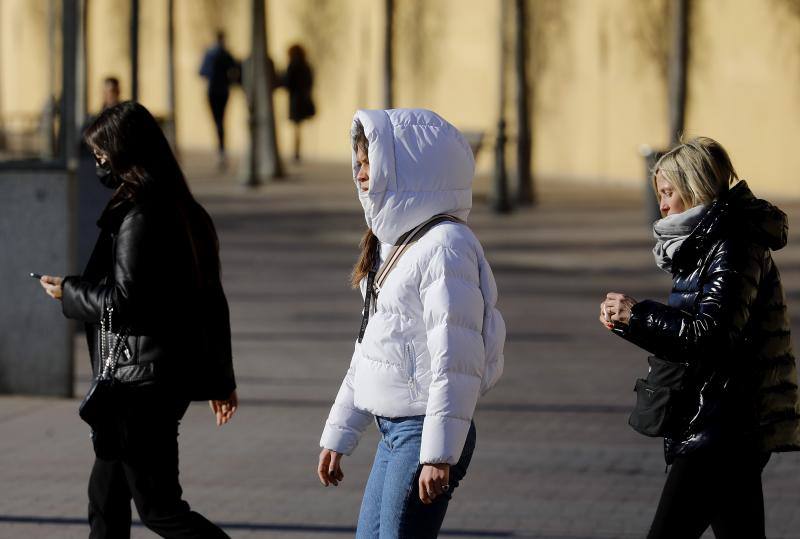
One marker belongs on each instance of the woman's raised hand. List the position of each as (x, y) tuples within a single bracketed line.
[(329, 469), (52, 285), (616, 308), (224, 409)]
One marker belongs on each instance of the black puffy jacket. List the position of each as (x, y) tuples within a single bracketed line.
[(727, 318), (142, 266)]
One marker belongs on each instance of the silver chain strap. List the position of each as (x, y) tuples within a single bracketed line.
[(110, 354)]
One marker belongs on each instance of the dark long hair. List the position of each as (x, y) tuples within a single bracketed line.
[(369, 242), (140, 156)]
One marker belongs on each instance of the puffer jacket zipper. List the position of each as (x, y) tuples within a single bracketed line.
[(411, 371)]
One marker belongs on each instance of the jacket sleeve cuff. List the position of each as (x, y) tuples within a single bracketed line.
[(635, 331), (344, 428), (74, 302), (339, 439), (443, 439)]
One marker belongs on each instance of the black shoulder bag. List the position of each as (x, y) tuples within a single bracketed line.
[(659, 398), (97, 406)]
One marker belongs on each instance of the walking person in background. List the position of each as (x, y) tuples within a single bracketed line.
[(111, 92), (299, 80), (431, 339), (221, 70), (92, 195), (151, 292), (726, 329)]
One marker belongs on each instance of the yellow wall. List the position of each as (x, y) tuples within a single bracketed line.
[(745, 90), (599, 86), (24, 66), (598, 98)]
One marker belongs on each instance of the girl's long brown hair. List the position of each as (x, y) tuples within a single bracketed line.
[(368, 258)]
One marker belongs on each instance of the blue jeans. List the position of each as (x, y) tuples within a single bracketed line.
[(391, 507)]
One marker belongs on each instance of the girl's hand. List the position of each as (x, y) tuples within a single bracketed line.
[(618, 308), (224, 410), (52, 285), (329, 469), (434, 480)]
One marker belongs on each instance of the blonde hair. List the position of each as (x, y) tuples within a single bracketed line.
[(699, 170)]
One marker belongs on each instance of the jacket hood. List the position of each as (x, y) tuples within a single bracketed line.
[(759, 220), (420, 166), (736, 214)]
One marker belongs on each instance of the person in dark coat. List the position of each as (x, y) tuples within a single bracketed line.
[(152, 291), (299, 80), (726, 318), (221, 70)]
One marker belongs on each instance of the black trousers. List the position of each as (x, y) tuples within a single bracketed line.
[(218, 103), (718, 487), (137, 458)]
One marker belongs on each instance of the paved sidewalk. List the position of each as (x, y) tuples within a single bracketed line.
[(555, 457)]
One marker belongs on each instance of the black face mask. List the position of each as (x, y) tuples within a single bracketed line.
[(105, 176)]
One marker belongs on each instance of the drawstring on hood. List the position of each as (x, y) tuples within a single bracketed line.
[(420, 166)]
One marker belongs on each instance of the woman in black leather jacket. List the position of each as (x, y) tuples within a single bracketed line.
[(726, 318), (154, 275)]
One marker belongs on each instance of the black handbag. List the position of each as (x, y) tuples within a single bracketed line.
[(659, 398), (97, 406)]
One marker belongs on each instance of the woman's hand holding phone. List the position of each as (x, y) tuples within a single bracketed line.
[(51, 285)]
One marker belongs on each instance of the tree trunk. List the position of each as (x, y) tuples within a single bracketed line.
[(171, 127), (81, 105), (134, 50), (264, 160), (525, 192), (678, 66), (47, 127), (388, 56), (69, 93), (500, 203), (3, 142)]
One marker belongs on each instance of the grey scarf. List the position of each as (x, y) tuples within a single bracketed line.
[(670, 233)]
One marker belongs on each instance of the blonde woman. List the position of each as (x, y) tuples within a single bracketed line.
[(726, 321), (431, 341)]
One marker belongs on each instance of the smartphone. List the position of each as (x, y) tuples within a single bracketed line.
[(36, 276)]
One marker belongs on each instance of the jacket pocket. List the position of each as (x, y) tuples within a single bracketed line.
[(651, 414), (411, 371)]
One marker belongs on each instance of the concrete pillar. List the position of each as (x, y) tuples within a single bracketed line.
[(37, 235)]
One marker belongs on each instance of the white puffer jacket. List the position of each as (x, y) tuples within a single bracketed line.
[(435, 342)]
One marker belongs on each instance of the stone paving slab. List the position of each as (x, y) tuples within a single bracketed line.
[(555, 457)]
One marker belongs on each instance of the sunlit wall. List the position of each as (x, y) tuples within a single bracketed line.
[(598, 74)]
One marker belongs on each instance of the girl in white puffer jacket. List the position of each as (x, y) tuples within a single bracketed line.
[(434, 339)]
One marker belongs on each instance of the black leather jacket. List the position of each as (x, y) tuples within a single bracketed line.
[(726, 316), (179, 332)]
